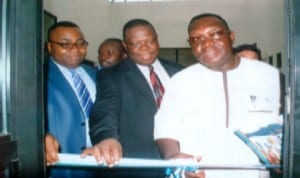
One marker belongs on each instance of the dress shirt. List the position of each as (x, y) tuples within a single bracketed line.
[(193, 112)]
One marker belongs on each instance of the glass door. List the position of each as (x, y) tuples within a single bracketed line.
[(21, 104), (8, 148)]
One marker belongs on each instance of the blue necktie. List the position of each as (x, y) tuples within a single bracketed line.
[(83, 94)]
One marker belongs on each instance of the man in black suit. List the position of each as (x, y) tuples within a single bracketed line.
[(122, 119)]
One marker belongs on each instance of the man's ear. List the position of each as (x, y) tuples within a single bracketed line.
[(124, 55), (232, 36), (124, 45), (49, 47)]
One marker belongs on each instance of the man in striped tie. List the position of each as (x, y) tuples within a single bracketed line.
[(70, 94)]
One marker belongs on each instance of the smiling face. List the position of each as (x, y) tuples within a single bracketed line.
[(70, 57), (110, 53), (141, 44), (211, 43)]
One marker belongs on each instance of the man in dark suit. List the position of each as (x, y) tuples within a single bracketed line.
[(121, 121), (66, 115)]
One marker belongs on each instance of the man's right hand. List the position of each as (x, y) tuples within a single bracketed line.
[(52, 147), (196, 174), (108, 151)]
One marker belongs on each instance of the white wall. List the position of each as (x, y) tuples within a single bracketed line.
[(258, 21)]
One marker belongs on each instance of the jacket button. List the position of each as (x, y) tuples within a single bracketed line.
[(83, 147), (82, 123)]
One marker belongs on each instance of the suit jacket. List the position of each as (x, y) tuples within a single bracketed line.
[(124, 109), (65, 118)]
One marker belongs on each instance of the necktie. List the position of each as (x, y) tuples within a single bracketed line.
[(83, 94), (157, 86)]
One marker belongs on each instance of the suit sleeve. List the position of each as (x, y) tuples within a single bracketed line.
[(103, 122)]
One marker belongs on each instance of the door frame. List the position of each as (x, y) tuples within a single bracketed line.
[(23, 143)]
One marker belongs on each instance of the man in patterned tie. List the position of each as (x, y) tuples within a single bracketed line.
[(67, 108), (121, 121)]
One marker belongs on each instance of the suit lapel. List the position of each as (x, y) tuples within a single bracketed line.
[(136, 78), (90, 71), (56, 76), (170, 70)]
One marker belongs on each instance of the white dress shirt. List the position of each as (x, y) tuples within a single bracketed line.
[(193, 112)]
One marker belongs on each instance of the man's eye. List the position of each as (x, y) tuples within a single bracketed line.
[(135, 45), (195, 39), (81, 43), (217, 34), (66, 45), (151, 42)]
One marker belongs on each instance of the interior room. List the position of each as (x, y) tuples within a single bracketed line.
[(273, 25), (252, 21)]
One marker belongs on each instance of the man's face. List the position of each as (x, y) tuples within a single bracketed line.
[(67, 46), (109, 54), (141, 44), (211, 43)]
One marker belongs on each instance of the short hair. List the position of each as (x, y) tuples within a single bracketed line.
[(250, 47), (204, 15), (117, 40), (136, 22), (61, 24)]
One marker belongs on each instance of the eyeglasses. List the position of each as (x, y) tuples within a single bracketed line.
[(67, 45), (214, 35)]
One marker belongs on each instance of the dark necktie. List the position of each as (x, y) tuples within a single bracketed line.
[(157, 86), (85, 100)]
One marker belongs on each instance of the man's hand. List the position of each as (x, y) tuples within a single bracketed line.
[(52, 147), (186, 156), (274, 160), (108, 151), (196, 174)]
